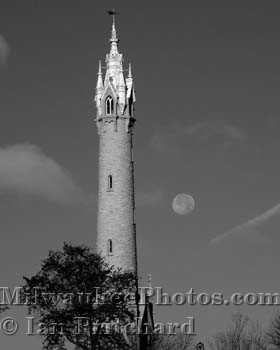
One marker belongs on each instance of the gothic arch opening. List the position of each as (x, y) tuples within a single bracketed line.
[(109, 104)]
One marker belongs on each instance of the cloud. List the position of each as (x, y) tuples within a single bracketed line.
[(200, 133), (203, 131), (248, 226), (151, 198), (26, 170), (4, 50)]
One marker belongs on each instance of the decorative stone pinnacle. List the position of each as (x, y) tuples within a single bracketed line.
[(149, 280), (99, 70), (114, 38), (99, 85), (129, 71)]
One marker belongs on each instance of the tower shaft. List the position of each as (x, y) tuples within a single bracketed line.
[(116, 226)]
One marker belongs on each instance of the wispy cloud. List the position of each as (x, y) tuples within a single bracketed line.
[(25, 169), (200, 133), (248, 226), (204, 131), (149, 198), (4, 50)]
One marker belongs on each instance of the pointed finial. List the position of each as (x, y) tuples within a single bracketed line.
[(114, 37), (99, 69), (149, 280), (99, 84), (121, 78), (129, 71)]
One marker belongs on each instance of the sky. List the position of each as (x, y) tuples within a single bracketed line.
[(207, 80)]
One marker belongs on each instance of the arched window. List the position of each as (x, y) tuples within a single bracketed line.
[(110, 183), (110, 247), (109, 105)]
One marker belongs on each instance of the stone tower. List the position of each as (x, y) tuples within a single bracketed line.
[(115, 99)]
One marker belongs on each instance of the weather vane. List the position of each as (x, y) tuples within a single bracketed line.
[(113, 13)]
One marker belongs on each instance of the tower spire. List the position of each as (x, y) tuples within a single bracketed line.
[(114, 38)]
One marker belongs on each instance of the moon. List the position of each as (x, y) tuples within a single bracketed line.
[(183, 204)]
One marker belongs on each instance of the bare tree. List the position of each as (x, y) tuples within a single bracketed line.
[(273, 334), (178, 341), (243, 335)]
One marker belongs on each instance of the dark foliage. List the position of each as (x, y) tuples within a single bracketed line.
[(60, 288)]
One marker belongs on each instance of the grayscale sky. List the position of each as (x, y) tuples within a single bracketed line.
[(207, 79)]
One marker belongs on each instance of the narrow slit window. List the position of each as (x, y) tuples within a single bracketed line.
[(109, 105), (110, 247), (110, 183)]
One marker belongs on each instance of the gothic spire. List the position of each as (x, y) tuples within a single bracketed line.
[(122, 90), (114, 38), (129, 71), (99, 89), (99, 84)]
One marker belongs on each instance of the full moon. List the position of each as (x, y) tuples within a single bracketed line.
[(183, 204)]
